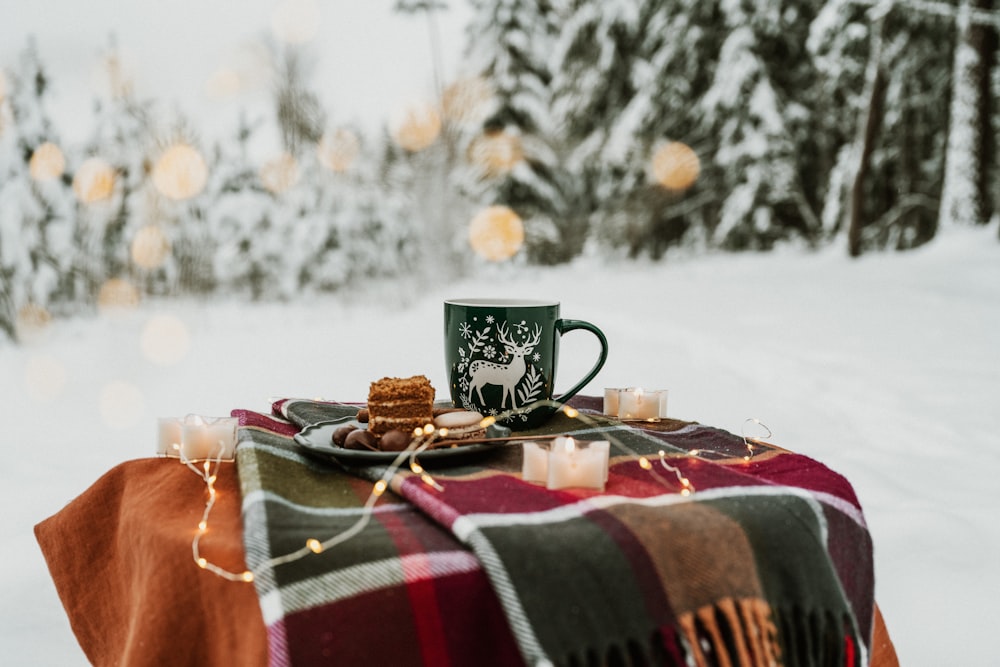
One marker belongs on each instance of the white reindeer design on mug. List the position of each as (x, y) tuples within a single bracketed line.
[(506, 376)]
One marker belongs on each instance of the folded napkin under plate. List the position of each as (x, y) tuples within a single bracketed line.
[(768, 559)]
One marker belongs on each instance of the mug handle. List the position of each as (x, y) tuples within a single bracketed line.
[(562, 326)]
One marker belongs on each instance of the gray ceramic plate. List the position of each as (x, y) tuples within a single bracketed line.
[(317, 439)]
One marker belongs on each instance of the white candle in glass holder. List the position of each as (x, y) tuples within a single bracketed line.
[(535, 464), (572, 466), (169, 435), (639, 404), (208, 438), (611, 400)]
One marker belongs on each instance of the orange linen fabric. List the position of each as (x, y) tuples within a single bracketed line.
[(883, 651), (120, 557)]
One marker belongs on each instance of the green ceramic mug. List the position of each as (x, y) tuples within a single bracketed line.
[(501, 356)]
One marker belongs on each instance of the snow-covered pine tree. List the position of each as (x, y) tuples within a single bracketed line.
[(36, 202), (370, 231), (509, 43), (117, 149), (845, 45), (759, 109), (243, 223), (592, 83), (895, 203), (670, 70)]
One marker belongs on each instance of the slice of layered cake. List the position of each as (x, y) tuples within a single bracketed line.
[(404, 404)]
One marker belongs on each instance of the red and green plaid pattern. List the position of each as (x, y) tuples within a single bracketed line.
[(768, 562)]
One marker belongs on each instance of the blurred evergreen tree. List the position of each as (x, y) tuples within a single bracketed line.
[(519, 152), (121, 140), (36, 216)]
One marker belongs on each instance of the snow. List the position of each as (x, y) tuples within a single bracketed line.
[(884, 368)]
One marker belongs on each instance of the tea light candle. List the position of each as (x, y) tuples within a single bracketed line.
[(535, 463), (611, 400), (581, 467), (170, 433), (208, 438), (642, 405)]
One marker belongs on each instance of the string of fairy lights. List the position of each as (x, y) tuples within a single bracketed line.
[(423, 438)]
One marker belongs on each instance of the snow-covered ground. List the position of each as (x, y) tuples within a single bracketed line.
[(886, 368)]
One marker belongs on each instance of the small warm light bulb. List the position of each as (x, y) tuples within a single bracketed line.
[(247, 576), (180, 172), (314, 545), (429, 481), (694, 452), (416, 127), (337, 149), (202, 526), (495, 153), (280, 174), (645, 464), (685, 492), (676, 166), (487, 422), (47, 162), (416, 468), (94, 180), (685, 482), (417, 432), (496, 233), (117, 294), (428, 429), (150, 247), (202, 563), (572, 413), (467, 101), (379, 487)]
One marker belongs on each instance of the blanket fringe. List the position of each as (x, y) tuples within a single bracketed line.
[(732, 633)]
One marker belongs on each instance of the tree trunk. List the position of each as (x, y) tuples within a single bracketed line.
[(984, 40), (961, 203), (876, 88)]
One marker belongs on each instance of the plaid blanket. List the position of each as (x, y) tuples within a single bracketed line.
[(768, 562)]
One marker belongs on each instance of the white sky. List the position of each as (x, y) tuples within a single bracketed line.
[(369, 60)]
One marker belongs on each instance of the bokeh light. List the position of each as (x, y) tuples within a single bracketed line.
[(117, 294), (496, 153), (338, 149), (295, 21), (121, 404), (44, 377), (224, 82), (150, 247), (47, 162), (31, 322), (467, 101), (496, 233), (180, 172), (280, 174), (165, 340), (416, 127), (676, 166), (94, 180)]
